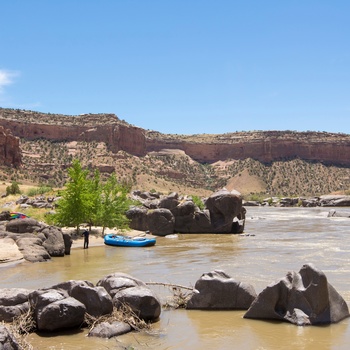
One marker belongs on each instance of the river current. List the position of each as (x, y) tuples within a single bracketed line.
[(276, 240)]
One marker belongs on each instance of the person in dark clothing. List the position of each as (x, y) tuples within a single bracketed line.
[(86, 239)]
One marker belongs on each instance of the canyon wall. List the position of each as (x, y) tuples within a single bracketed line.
[(10, 153), (265, 146), (264, 149)]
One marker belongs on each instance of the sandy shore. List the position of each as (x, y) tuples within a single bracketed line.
[(10, 253)]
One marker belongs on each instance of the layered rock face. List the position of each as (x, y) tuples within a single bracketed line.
[(264, 146), (10, 153)]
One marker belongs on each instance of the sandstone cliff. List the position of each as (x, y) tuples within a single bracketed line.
[(264, 146), (10, 153)]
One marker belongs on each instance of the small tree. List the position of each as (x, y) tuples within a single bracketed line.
[(74, 206), (114, 204)]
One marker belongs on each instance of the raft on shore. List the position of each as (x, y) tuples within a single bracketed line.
[(126, 241)]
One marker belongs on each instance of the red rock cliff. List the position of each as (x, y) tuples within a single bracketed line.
[(10, 153), (119, 135)]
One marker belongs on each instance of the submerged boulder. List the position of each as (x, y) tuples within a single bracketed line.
[(110, 329), (218, 291), (303, 298)]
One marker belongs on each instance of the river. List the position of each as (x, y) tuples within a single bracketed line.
[(277, 240)]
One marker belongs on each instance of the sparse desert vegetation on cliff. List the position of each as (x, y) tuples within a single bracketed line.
[(282, 163)]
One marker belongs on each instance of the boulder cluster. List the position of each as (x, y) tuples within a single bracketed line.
[(167, 214), (321, 201), (301, 298), (36, 241), (65, 305)]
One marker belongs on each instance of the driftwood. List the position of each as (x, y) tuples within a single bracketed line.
[(171, 285)]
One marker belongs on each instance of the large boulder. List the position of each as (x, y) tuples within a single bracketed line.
[(160, 222), (138, 218), (67, 239), (304, 298), (32, 248), (24, 225), (169, 202), (7, 339), (13, 303), (189, 219), (116, 281), (54, 311), (223, 206), (126, 289), (67, 286), (96, 299), (54, 242), (218, 291), (142, 300)]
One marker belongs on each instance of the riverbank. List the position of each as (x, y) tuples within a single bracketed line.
[(9, 252)]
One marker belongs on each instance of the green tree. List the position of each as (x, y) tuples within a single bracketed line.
[(94, 200), (74, 207), (13, 189), (114, 204)]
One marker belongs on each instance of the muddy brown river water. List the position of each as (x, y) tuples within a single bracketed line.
[(278, 240)]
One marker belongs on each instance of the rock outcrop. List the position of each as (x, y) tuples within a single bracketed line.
[(37, 241), (218, 291), (164, 215), (304, 298)]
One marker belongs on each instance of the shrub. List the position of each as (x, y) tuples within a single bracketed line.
[(198, 202), (13, 189)]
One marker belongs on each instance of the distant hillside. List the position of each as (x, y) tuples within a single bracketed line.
[(273, 163)]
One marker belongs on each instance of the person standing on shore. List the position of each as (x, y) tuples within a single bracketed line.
[(86, 239)]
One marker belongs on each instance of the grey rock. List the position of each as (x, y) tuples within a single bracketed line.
[(117, 281), (13, 303), (138, 218), (143, 302), (7, 339), (23, 225), (304, 298), (54, 311), (223, 206), (96, 299), (32, 249), (218, 291), (109, 330), (160, 222), (54, 242)]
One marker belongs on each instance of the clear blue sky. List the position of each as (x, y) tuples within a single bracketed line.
[(181, 66)]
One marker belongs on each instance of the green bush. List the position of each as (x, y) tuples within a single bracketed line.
[(198, 202), (39, 191), (13, 189)]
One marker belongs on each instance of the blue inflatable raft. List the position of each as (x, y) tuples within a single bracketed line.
[(125, 241)]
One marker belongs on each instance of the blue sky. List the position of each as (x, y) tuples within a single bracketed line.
[(181, 66)]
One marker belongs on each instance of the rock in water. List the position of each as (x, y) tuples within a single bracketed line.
[(304, 298)]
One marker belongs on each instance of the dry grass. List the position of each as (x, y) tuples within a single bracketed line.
[(21, 326), (122, 314)]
